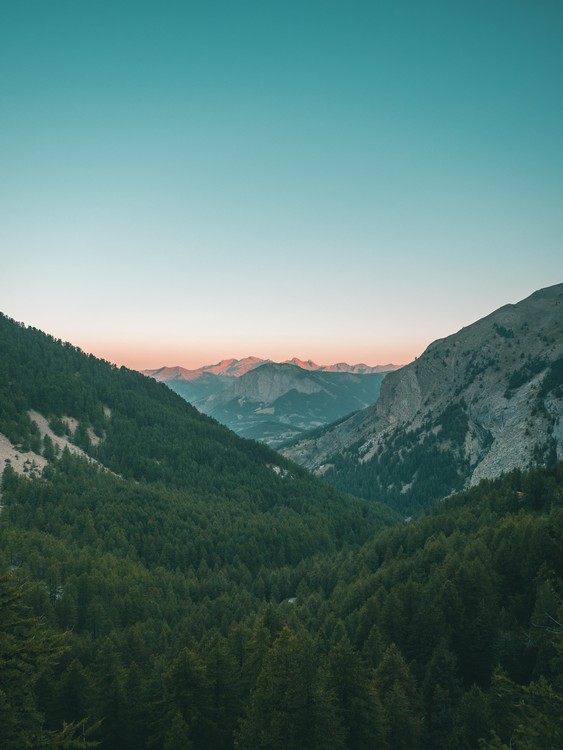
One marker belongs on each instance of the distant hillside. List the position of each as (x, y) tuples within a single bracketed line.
[(275, 402), (360, 369), (197, 385), (476, 404), (227, 368)]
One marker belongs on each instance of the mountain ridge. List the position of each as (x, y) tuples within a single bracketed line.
[(274, 402), (474, 399), (237, 367)]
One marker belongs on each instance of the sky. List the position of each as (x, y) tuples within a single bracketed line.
[(182, 182)]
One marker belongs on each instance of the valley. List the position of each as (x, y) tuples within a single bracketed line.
[(166, 583), (281, 375), (275, 402)]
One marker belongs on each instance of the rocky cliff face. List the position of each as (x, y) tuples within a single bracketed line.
[(482, 401), (270, 381), (276, 402)]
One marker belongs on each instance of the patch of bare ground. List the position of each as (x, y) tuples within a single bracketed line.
[(30, 463), (22, 463), (70, 422), (94, 439), (61, 440)]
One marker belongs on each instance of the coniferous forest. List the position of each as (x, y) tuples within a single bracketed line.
[(178, 587)]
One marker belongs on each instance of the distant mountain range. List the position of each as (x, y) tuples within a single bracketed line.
[(230, 368), (275, 402), (475, 405), (234, 368)]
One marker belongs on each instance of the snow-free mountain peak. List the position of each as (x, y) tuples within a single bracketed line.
[(474, 405), (234, 368)]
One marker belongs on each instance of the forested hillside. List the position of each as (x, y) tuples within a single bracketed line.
[(202, 592), (181, 629), (141, 430), (175, 509)]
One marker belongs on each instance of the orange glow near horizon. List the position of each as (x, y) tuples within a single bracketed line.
[(139, 356)]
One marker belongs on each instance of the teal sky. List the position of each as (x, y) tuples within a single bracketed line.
[(186, 181)]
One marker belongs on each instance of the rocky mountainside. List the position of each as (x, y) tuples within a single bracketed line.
[(476, 404), (275, 402)]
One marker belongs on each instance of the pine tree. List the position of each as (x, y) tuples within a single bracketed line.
[(187, 699), (26, 651), (360, 707), (292, 706), (528, 717), (399, 696), (441, 692)]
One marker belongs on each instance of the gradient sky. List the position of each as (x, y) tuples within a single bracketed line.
[(182, 182)]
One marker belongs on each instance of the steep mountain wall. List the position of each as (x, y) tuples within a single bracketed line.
[(486, 399)]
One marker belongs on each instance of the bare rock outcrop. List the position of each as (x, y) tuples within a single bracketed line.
[(491, 394)]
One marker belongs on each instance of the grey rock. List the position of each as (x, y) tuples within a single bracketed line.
[(493, 372)]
